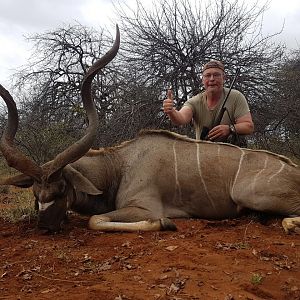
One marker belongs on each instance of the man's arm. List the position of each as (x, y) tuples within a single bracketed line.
[(243, 126), (181, 117)]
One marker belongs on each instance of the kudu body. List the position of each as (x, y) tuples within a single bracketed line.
[(159, 175)]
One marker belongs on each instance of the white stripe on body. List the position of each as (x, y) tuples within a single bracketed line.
[(258, 174), (202, 180), (177, 184), (278, 172), (238, 171), (219, 151)]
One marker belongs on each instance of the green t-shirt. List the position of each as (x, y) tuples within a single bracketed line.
[(236, 106)]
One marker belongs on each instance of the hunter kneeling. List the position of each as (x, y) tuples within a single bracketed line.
[(219, 114)]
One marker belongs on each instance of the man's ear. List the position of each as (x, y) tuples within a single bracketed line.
[(20, 180), (79, 181)]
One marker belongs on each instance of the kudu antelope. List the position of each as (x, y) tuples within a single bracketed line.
[(143, 183)]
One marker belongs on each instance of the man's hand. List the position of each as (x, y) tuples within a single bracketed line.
[(181, 117), (220, 132), (168, 103)]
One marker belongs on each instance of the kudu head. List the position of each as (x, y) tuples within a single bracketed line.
[(53, 183)]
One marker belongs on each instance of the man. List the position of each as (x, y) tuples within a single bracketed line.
[(204, 108)]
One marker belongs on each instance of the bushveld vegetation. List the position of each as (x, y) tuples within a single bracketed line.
[(15, 204), (164, 46)]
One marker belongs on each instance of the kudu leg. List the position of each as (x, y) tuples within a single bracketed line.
[(129, 219), (263, 197), (291, 224)]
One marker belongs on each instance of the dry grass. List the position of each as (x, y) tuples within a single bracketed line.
[(15, 203)]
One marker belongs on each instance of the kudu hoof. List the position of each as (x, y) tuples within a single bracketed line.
[(167, 225)]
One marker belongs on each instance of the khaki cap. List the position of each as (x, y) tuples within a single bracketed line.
[(213, 64)]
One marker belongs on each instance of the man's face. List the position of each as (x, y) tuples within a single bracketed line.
[(213, 79)]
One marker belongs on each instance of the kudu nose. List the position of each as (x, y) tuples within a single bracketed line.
[(46, 228)]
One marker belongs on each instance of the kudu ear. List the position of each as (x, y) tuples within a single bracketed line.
[(80, 182), (21, 180)]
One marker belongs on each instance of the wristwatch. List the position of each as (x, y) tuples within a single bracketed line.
[(232, 128)]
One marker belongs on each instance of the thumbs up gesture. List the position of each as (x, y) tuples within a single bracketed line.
[(168, 104)]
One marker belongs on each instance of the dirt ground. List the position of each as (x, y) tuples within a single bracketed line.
[(226, 260)]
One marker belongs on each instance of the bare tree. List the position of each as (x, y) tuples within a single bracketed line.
[(162, 46), (49, 88), (281, 131), (170, 43)]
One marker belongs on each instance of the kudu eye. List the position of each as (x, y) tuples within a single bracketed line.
[(59, 190), (62, 186)]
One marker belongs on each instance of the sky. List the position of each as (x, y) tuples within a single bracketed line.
[(20, 18)]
